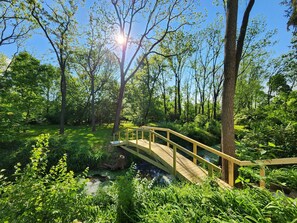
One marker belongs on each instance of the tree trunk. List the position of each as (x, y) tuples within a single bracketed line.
[(215, 101), (179, 99), (63, 101), (117, 120), (242, 35), (228, 137), (93, 103), (175, 99)]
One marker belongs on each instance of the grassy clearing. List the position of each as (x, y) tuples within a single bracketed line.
[(83, 147)]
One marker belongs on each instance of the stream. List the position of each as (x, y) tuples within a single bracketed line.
[(103, 177)]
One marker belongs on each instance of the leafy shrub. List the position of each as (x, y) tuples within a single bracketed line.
[(201, 120), (80, 156), (193, 131), (205, 203), (213, 127), (125, 191), (40, 196), (283, 176)]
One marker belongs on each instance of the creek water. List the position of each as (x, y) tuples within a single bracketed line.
[(103, 178)]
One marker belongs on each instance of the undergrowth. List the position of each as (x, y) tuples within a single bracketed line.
[(43, 193)]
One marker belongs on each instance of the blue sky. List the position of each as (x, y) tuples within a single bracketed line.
[(271, 10)]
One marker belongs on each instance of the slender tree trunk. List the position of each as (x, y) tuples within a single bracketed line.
[(196, 103), (179, 99), (208, 109), (63, 101), (175, 98), (93, 103), (242, 34), (164, 95), (47, 101), (215, 101), (228, 137), (116, 125), (202, 102), (164, 104)]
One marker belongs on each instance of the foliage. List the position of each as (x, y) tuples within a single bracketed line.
[(125, 193), (194, 131), (83, 149), (205, 203), (38, 195), (271, 129), (283, 176)]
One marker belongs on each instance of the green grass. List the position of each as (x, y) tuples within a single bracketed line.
[(83, 147)]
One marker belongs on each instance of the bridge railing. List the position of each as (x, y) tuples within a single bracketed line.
[(149, 133)]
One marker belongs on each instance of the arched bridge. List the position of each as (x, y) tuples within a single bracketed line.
[(155, 146)]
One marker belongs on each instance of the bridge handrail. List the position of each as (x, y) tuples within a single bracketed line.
[(231, 160), (278, 161), (201, 145), (193, 155)]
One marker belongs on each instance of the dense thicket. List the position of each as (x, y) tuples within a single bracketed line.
[(44, 193)]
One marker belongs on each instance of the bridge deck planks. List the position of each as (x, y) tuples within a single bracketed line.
[(185, 168)]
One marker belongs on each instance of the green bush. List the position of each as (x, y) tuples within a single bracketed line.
[(284, 177), (41, 195), (193, 131), (201, 120), (205, 203), (125, 191), (80, 155), (213, 127)]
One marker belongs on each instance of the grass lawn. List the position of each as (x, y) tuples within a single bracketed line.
[(83, 147)]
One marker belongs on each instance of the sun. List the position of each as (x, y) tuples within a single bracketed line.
[(121, 39)]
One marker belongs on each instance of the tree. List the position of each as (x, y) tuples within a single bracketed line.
[(95, 60), (156, 23), (142, 90), (207, 66), (254, 67), (58, 25), (291, 12), (179, 46), (232, 57), (27, 87), (13, 23)]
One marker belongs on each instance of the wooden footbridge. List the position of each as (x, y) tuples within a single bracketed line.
[(155, 146)]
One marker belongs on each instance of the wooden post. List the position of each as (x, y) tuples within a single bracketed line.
[(153, 139), (210, 170), (142, 134), (168, 137), (137, 137), (262, 175), (231, 173), (174, 160), (127, 135), (195, 152), (150, 140)]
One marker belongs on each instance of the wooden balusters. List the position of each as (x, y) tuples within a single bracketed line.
[(231, 173), (150, 141), (174, 160), (195, 152), (262, 175), (168, 137)]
